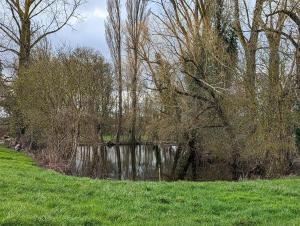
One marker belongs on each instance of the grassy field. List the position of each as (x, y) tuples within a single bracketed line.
[(33, 196)]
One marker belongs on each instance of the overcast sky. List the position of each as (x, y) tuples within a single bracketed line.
[(89, 31)]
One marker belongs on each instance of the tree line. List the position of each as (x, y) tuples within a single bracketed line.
[(219, 79)]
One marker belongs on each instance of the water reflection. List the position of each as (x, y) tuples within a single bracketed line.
[(151, 162)]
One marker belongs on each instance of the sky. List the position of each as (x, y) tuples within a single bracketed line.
[(87, 31)]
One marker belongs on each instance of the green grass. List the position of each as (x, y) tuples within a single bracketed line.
[(30, 195)]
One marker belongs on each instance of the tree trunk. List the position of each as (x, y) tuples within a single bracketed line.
[(298, 69), (188, 159), (251, 77), (24, 58), (120, 115), (183, 165), (236, 149), (176, 159), (25, 42), (134, 100)]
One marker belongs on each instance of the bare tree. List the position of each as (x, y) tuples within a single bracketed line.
[(292, 11), (250, 47), (136, 21), (114, 40), (23, 24), (137, 14)]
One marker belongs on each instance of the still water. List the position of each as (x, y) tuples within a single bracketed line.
[(142, 162)]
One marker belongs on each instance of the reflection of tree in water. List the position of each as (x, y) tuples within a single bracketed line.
[(140, 162)]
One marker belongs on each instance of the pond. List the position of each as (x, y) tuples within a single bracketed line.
[(141, 162)]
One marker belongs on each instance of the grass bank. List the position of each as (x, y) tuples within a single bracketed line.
[(30, 195)]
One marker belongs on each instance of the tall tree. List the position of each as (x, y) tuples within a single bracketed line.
[(195, 41), (114, 40), (23, 24), (136, 24), (137, 14), (249, 44), (292, 11)]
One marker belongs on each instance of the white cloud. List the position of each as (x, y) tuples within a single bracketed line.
[(92, 14), (87, 30), (99, 13), (88, 16)]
